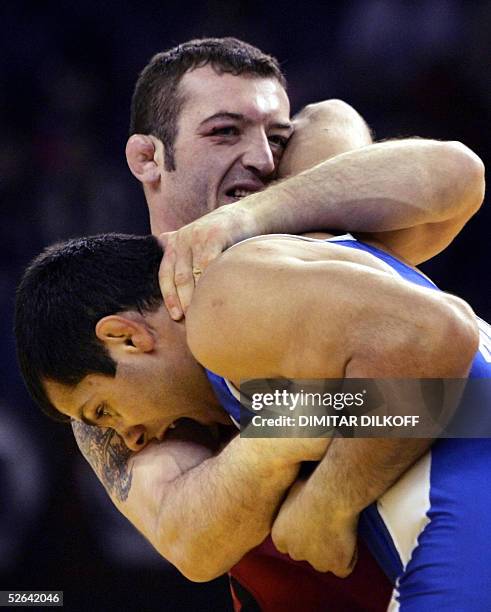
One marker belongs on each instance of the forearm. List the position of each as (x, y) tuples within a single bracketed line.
[(215, 513), (410, 196), (381, 187), (353, 474), (356, 472), (201, 512)]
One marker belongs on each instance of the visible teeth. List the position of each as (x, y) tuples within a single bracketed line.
[(172, 426), (241, 193)]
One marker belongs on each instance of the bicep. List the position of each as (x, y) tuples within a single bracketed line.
[(153, 471)]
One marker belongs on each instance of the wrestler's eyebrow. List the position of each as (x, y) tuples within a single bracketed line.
[(241, 117), (282, 126), (223, 115)]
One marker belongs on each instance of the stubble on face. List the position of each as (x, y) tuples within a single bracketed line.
[(226, 128)]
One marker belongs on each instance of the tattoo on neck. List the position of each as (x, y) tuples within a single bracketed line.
[(108, 456)]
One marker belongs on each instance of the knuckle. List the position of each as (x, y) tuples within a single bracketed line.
[(196, 233), (169, 254), (170, 239), (280, 547), (296, 555), (203, 262), (182, 277), (215, 232), (169, 298), (340, 568), (207, 257), (278, 541)]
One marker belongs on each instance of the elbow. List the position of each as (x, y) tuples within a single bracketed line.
[(198, 569), (194, 562), (456, 338), (466, 334), (466, 173)]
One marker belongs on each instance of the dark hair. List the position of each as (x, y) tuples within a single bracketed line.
[(65, 291), (157, 102)]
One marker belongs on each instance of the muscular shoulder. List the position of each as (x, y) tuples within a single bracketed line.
[(257, 266), (262, 297), (232, 307), (278, 308), (255, 261)]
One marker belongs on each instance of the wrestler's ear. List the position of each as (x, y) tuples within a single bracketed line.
[(122, 335), (143, 155)]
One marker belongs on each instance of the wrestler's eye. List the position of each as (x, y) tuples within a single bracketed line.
[(101, 411), (278, 141), (226, 130)]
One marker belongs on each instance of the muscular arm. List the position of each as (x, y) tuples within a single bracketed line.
[(203, 512), (412, 195), (108, 456), (353, 313), (435, 337), (195, 508)]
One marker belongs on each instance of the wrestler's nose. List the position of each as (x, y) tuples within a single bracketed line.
[(135, 437), (258, 157)]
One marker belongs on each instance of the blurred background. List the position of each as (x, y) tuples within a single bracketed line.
[(66, 76)]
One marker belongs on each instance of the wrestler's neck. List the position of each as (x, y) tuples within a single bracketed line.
[(179, 364)]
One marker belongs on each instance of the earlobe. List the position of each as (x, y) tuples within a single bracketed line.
[(123, 334), (142, 158)]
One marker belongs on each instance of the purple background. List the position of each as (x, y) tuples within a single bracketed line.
[(66, 77)]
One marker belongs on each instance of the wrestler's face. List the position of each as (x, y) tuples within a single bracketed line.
[(232, 131), (138, 407), (157, 382)]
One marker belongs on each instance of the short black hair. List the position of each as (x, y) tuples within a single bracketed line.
[(65, 291), (157, 102)]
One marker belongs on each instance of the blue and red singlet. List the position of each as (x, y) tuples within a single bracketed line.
[(430, 532)]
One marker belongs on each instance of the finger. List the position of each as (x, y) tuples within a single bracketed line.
[(344, 569), (204, 254), (166, 281), (339, 572), (296, 556), (278, 541), (184, 278), (189, 268)]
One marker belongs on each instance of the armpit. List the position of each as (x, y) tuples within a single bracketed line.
[(108, 456)]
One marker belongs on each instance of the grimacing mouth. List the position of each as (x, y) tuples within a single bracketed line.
[(239, 193)]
